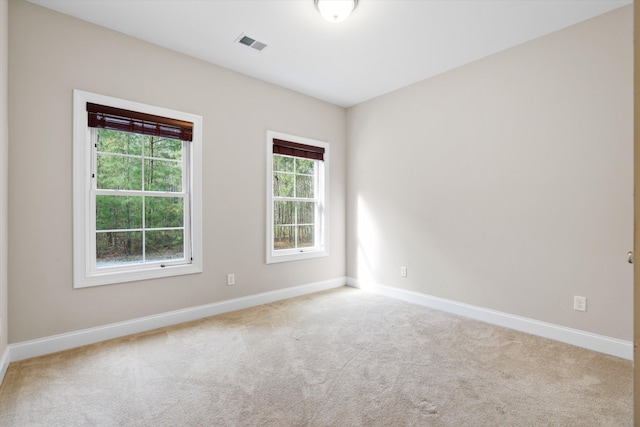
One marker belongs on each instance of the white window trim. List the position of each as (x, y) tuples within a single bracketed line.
[(324, 168), (83, 274)]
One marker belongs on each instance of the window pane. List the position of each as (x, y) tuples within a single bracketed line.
[(305, 166), (306, 212), (304, 186), (283, 212), (283, 164), (164, 245), (283, 184), (283, 237), (118, 212), (305, 236), (113, 141), (161, 175), (164, 212), (119, 172), (121, 247), (163, 147)]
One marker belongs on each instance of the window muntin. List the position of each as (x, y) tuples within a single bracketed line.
[(297, 225), (294, 204), (137, 191), (140, 206)]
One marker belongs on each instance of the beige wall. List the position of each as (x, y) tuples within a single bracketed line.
[(506, 183), (51, 54), (509, 186), (4, 144)]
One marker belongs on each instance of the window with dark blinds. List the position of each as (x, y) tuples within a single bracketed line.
[(297, 198), (137, 191)]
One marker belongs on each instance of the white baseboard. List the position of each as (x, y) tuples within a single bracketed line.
[(4, 364), (599, 343), (52, 344)]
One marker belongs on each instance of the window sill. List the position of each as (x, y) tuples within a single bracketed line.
[(274, 257), (113, 277)]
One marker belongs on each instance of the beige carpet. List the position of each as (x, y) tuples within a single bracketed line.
[(338, 358)]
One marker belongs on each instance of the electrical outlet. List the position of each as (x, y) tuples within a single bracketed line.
[(580, 303), (403, 271), (231, 279)]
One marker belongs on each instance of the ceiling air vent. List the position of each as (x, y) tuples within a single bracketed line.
[(248, 41)]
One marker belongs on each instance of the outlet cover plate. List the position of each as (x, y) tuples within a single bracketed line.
[(580, 303)]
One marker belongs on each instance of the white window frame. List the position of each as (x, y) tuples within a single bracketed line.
[(321, 248), (84, 236)]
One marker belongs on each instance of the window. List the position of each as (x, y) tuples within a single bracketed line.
[(137, 186), (297, 210)]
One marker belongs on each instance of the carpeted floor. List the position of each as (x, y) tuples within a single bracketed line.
[(337, 358)]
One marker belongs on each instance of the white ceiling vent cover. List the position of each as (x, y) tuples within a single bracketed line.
[(248, 41)]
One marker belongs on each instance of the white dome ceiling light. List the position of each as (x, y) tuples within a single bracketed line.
[(335, 10)]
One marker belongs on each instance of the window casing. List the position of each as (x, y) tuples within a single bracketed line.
[(297, 198), (137, 191)]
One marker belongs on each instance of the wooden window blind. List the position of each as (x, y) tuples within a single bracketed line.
[(295, 149), (104, 117)]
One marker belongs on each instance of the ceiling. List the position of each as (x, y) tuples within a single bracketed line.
[(383, 46)]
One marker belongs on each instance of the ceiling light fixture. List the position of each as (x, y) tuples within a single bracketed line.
[(335, 10)]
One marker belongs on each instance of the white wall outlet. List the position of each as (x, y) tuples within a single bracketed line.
[(580, 303), (403, 271), (231, 279)]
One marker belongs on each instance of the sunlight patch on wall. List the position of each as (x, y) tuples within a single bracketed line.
[(368, 239)]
